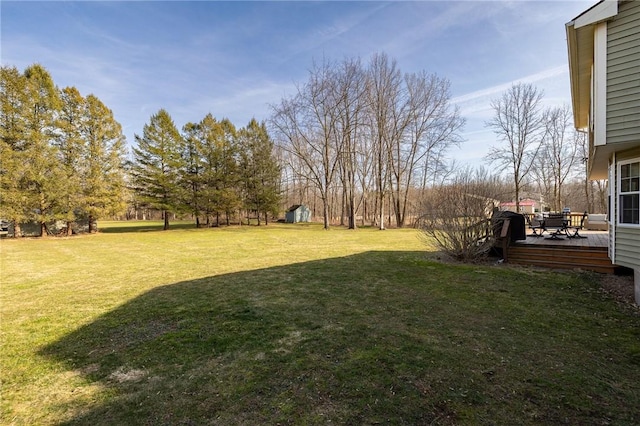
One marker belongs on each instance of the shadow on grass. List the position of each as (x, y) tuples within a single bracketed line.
[(378, 337)]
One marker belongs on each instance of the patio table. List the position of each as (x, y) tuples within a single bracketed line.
[(556, 223)]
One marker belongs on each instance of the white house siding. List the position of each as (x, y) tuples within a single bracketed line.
[(627, 238), (623, 75), (627, 247), (629, 154)]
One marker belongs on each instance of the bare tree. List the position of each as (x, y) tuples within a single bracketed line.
[(558, 157), (365, 179), (362, 134), (561, 144), (542, 173), (519, 125), (435, 167), (384, 97), (595, 192), (600, 196), (306, 126), (432, 126), (349, 87), (583, 153)]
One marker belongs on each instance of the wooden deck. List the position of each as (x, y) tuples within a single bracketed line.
[(594, 239), (590, 253)]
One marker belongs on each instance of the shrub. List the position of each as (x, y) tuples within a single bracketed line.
[(457, 214)]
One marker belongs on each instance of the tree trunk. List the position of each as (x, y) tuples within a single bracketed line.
[(325, 211), (166, 220), (381, 211), (17, 232), (351, 201), (560, 203), (352, 212), (343, 205), (587, 195), (517, 187), (69, 230)]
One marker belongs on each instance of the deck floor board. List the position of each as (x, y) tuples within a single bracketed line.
[(595, 239)]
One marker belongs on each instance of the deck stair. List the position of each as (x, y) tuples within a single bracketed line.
[(562, 257)]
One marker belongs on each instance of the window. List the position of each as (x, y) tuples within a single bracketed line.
[(629, 192)]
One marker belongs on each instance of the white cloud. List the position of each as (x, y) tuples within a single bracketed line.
[(489, 93)]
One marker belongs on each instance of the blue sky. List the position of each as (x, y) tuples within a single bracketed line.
[(234, 59)]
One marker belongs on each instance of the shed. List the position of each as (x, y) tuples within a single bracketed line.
[(298, 213)]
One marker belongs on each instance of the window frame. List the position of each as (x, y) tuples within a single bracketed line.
[(620, 194)]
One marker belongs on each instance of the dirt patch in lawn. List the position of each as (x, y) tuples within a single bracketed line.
[(621, 288)]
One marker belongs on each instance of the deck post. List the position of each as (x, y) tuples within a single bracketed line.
[(505, 235)]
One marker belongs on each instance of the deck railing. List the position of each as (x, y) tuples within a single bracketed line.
[(574, 218)]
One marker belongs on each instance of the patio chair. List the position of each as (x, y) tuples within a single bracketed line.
[(573, 231), (556, 223), (536, 226)]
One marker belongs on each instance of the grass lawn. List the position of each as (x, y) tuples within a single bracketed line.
[(296, 325)]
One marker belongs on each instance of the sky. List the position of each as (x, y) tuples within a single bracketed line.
[(236, 59)]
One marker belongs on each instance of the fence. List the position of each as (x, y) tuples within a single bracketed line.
[(574, 218)]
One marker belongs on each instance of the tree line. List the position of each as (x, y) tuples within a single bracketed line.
[(366, 136), (62, 154), (211, 170), (63, 157), (367, 141)]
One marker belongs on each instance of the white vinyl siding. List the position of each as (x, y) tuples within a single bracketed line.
[(628, 247), (623, 77)]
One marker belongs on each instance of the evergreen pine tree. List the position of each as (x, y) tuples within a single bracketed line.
[(70, 146), (157, 165), (103, 177), (43, 180), (192, 179), (260, 174), (12, 145)]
